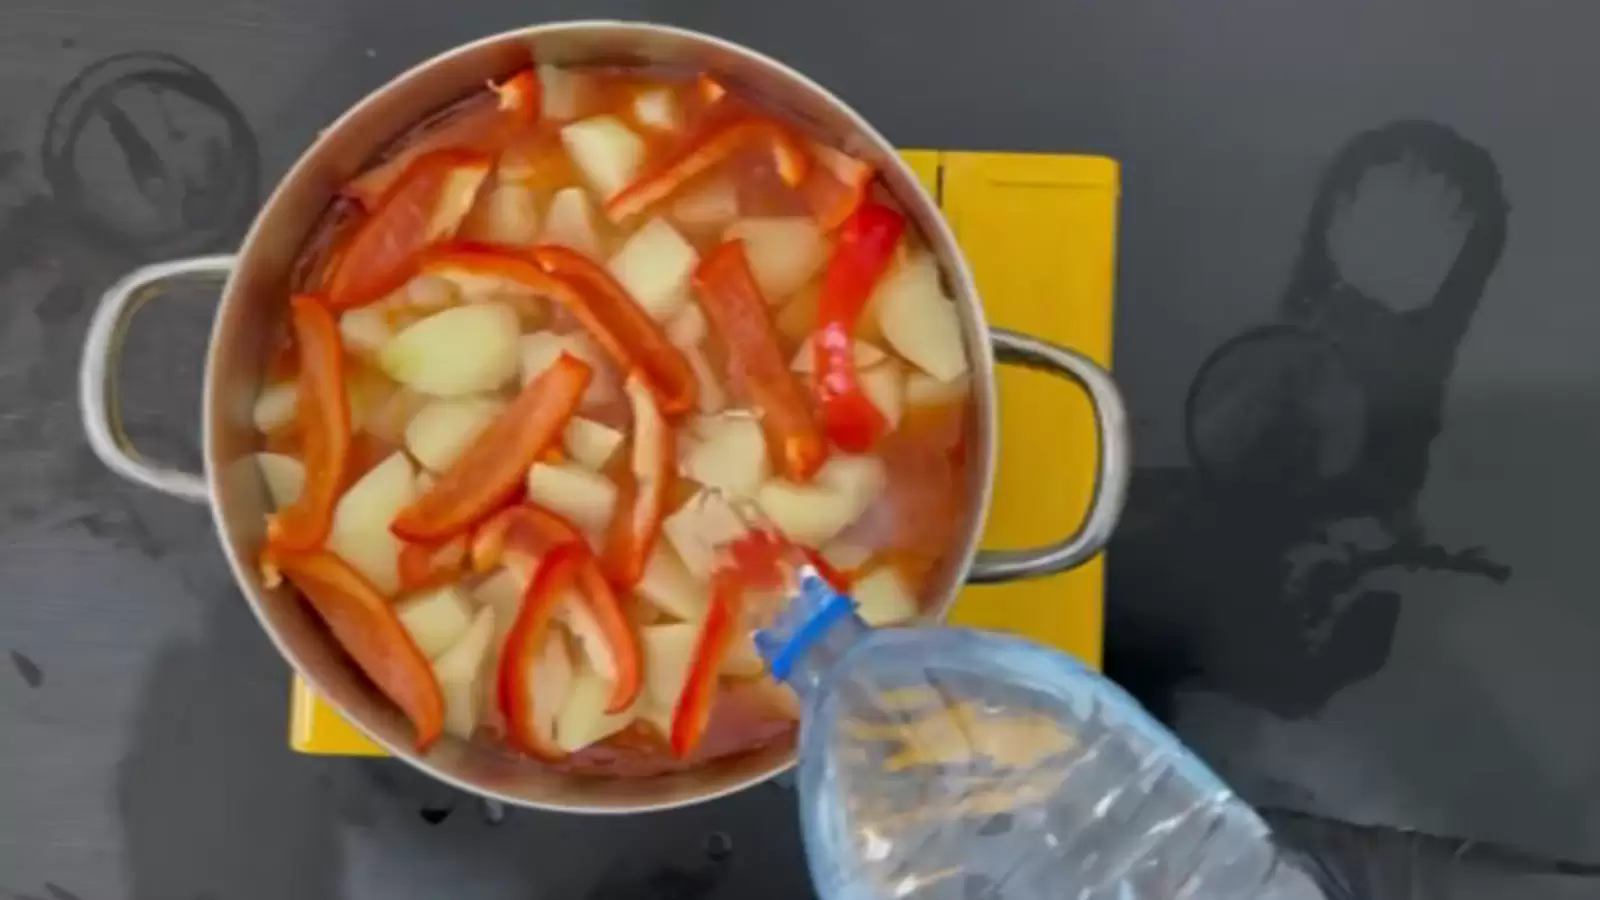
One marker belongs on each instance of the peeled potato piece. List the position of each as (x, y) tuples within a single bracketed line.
[(583, 497), (560, 92), (730, 455), (845, 555), (574, 613), (444, 429), (669, 587), (360, 534), (919, 321), (506, 214), (463, 350), (605, 151), (435, 619), (866, 356), (813, 514), (668, 653), (552, 675), (742, 660), (591, 443), (656, 108), (688, 331), (882, 598), (583, 719), (274, 408), (699, 528), (885, 386), (502, 592), (570, 222), (654, 266), (709, 205), (784, 252), (365, 329), (285, 477), (460, 673), (455, 199), (925, 390)]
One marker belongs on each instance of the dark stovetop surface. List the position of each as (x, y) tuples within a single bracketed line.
[(1352, 324)]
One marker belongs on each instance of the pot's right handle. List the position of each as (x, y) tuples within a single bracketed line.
[(97, 375), (1111, 478)]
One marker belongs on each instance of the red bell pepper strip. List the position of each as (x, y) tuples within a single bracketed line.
[(836, 187), (716, 145), (492, 469), (692, 711), (733, 304), (520, 98), (322, 415), (606, 609), (426, 204), (523, 645), (759, 557), (432, 565), (643, 500), (620, 325), (522, 529), (708, 89), (365, 625), (528, 531), (860, 256), (483, 127)]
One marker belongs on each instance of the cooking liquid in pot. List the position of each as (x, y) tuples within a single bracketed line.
[(599, 133)]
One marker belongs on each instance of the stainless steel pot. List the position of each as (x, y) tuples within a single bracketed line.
[(256, 281)]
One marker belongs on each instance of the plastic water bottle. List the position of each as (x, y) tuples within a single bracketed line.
[(949, 763)]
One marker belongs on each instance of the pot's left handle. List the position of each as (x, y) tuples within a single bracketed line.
[(97, 376)]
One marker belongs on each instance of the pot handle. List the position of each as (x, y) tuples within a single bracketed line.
[(97, 375), (1111, 478)]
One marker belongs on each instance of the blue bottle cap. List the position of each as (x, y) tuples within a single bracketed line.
[(814, 608)]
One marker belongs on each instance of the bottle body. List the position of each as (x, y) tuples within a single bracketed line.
[(947, 763)]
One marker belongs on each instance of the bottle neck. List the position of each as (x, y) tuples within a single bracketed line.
[(813, 662), (810, 633)]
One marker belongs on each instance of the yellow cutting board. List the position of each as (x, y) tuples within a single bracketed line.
[(1040, 233)]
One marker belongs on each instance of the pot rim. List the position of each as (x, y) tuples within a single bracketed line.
[(905, 187)]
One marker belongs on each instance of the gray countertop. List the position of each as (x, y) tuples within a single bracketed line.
[(1352, 323)]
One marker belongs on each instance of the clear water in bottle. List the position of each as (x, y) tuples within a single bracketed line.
[(947, 763)]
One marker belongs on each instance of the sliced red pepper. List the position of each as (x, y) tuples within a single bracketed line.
[(836, 187), (492, 469), (708, 89), (529, 531), (620, 640), (733, 303), (484, 127), (620, 325), (840, 580), (860, 257), (759, 558), (432, 565), (525, 641), (523, 529), (365, 625), (693, 710), (426, 204), (322, 416), (643, 499), (716, 145), (520, 97)]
